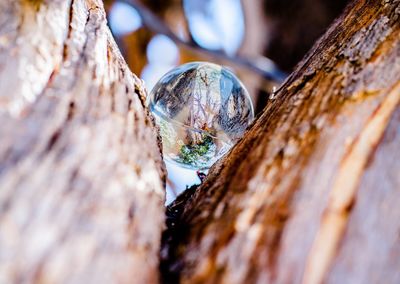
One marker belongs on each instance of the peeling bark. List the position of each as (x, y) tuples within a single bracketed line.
[(81, 174), (310, 193)]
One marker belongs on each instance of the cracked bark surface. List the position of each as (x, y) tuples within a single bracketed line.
[(81, 174), (310, 194)]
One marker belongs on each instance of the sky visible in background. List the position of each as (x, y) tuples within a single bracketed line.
[(213, 24)]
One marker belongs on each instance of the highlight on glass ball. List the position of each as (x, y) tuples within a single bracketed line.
[(202, 110)]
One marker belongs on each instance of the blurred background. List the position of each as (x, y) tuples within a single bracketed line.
[(261, 41)]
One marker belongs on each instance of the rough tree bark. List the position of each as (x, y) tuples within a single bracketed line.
[(311, 193), (81, 174)]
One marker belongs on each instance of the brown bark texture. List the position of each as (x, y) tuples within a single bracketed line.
[(311, 193), (81, 174)]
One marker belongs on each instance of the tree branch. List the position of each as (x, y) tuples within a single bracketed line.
[(310, 194), (81, 175), (261, 66)]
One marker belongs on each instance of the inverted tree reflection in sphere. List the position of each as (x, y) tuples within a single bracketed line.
[(202, 109)]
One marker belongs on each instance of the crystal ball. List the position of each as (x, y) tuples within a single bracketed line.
[(202, 110)]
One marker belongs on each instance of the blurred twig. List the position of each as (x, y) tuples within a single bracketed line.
[(261, 65)]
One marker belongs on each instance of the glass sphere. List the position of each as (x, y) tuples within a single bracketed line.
[(202, 109)]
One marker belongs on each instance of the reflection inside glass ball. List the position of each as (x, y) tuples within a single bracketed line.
[(202, 109)]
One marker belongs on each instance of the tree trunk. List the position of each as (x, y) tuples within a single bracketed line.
[(81, 174), (311, 193)]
